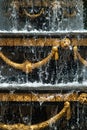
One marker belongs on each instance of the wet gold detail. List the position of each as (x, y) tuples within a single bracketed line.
[(56, 97), (39, 42), (83, 98), (65, 111), (28, 66), (73, 14), (33, 16)]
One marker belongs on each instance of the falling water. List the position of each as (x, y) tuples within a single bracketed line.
[(63, 71), (14, 16), (58, 17)]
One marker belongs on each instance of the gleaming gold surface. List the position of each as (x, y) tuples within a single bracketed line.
[(28, 66), (83, 98), (56, 97), (39, 42)]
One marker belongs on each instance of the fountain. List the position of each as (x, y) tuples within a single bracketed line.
[(43, 65)]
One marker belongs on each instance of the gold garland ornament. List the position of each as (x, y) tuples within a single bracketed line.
[(28, 66), (33, 16), (65, 43), (78, 56), (73, 14), (64, 112)]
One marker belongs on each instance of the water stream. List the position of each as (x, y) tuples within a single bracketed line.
[(61, 72), (59, 16)]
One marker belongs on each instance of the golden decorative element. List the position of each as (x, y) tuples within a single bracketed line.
[(75, 52), (56, 56), (39, 42), (83, 98), (45, 3), (55, 5), (65, 111), (17, 4), (73, 14), (33, 16), (56, 97), (65, 43), (68, 111), (27, 66), (78, 56), (83, 61)]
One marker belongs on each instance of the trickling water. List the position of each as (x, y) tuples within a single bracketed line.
[(58, 15), (64, 71), (14, 16)]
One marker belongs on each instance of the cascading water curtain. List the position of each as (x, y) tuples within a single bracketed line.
[(64, 70), (34, 16)]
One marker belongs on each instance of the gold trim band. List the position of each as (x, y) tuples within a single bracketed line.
[(39, 42), (31, 97)]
